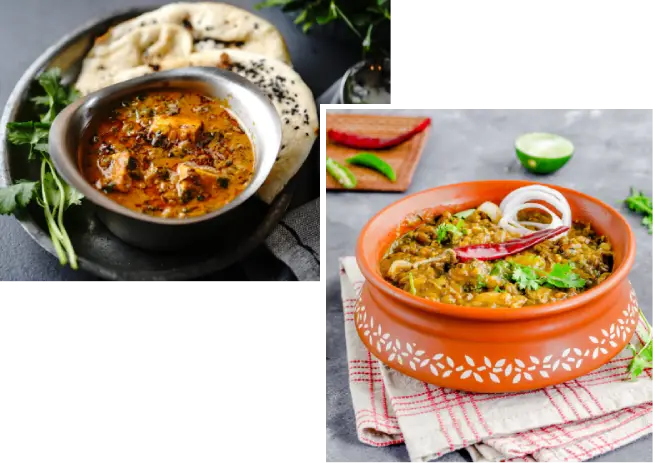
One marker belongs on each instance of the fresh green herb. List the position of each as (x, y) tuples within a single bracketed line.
[(563, 277), (481, 283), (642, 358), (366, 159), (50, 192), (33, 133), (58, 96), (443, 229), (497, 288), (369, 20), (525, 277), (17, 196), (642, 204), (412, 285), (501, 269)]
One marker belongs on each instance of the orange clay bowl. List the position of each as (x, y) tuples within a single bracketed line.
[(493, 349)]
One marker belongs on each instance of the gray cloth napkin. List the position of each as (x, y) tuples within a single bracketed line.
[(296, 241)]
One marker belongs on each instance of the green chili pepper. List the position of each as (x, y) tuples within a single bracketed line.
[(371, 161), (341, 173), (412, 285)]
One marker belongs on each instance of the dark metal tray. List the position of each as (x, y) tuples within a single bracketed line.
[(99, 251)]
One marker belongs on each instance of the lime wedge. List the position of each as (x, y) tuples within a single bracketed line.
[(543, 153)]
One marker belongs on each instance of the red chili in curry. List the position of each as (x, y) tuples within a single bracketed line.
[(169, 154)]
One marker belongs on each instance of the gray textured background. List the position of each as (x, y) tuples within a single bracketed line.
[(613, 153), (28, 27)]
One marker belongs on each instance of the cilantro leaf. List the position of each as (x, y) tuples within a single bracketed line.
[(33, 133), (642, 359), (58, 96), (525, 277), (502, 269), (443, 229), (647, 222), (563, 277), (16, 196), (642, 204), (481, 282)]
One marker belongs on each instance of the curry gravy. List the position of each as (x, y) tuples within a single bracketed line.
[(169, 154)]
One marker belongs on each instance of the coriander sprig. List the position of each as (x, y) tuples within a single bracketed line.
[(455, 231), (52, 193), (369, 20), (641, 203), (642, 359), (560, 276)]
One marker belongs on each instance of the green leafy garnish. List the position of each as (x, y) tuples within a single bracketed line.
[(443, 229), (642, 204), (501, 269), (51, 193), (481, 283), (497, 288), (563, 277), (525, 277), (367, 19), (58, 96), (33, 133), (412, 285), (642, 359), (16, 196)]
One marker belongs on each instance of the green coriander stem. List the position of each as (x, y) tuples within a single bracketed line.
[(72, 257), (347, 21), (55, 234)]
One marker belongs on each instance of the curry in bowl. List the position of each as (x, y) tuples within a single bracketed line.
[(170, 153), (499, 256)]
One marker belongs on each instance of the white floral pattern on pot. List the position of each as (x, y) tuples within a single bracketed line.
[(410, 355)]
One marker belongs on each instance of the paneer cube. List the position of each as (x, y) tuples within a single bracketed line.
[(206, 173), (176, 128), (118, 176), (194, 178)]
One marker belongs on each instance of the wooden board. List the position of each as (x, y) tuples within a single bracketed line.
[(403, 157)]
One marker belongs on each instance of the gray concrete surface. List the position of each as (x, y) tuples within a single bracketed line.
[(28, 27), (613, 153)]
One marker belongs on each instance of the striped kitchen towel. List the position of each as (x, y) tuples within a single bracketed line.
[(572, 421)]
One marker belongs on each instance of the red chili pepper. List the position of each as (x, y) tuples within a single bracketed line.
[(366, 142), (493, 251)]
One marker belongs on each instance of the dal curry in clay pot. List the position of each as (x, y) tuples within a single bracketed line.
[(444, 316)]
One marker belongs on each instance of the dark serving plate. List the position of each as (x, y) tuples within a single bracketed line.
[(99, 251)]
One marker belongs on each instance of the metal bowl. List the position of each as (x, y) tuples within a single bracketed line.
[(244, 99)]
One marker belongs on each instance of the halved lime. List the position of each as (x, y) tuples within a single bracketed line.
[(543, 153)]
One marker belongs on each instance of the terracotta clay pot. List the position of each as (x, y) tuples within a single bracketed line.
[(493, 349)]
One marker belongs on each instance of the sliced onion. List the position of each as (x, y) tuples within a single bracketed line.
[(519, 199), (491, 210), (399, 265)]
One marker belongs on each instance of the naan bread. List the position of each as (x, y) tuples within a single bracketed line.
[(146, 45), (289, 94), (212, 26)]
